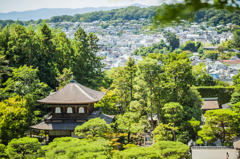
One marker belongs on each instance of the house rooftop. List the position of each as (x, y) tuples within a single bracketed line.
[(210, 103)]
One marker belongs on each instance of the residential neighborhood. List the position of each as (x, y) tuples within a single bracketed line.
[(118, 48)]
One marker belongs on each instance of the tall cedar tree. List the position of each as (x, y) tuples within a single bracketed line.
[(147, 75), (130, 74), (86, 66)]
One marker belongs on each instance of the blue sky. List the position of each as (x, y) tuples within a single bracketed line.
[(23, 5)]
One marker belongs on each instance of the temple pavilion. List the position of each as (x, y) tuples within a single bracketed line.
[(71, 106)]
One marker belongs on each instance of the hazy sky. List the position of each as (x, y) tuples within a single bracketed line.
[(23, 5)]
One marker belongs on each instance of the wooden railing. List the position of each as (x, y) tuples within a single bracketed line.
[(212, 147)]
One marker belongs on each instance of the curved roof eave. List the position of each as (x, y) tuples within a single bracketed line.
[(39, 101)]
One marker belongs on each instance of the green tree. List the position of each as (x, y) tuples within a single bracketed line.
[(147, 75), (188, 130), (130, 73), (206, 134), (236, 38), (236, 95), (172, 39), (178, 77), (174, 113), (236, 109), (64, 51), (18, 46), (20, 148), (64, 78), (191, 46), (13, 118), (220, 122), (138, 107), (3, 151), (93, 128), (47, 56), (120, 85), (25, 82), (161, 47), (131, 122), (137, 152), (71, 148), (86, 66), (162, 132), (160, 150), (108, 102), (205, 80), (170, 149), (176, 86), (174, 13), (4, 69), (202, 27), (211, 54)]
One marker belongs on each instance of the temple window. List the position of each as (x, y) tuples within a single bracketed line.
[(81, 110), (57, 110), (69, 110)]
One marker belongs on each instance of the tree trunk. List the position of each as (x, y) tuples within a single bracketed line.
[(125, 103), (223, 137), (158, 113), (174, 135), (151, 104), (151, 115), (131, 86), (129, 136)]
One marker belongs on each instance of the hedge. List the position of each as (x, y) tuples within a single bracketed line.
[(223, 93)]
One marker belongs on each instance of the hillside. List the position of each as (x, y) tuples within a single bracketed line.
[(47, 13), (212, 16)]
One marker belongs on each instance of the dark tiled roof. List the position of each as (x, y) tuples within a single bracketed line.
[(56, 125), (107, 118), (211, 99), (225, 106), (95, 113), (73, 93)]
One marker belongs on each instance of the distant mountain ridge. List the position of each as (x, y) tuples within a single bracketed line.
[(47, 13)]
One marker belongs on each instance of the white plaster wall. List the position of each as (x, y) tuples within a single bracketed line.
[(213, 153)]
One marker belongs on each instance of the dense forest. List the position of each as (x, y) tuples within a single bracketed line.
[(212, 16), (33, 63), (51, 51)]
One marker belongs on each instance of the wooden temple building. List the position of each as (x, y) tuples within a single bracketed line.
[(71, 106)]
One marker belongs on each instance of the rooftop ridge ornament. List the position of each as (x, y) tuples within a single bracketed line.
[(72, 80)]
